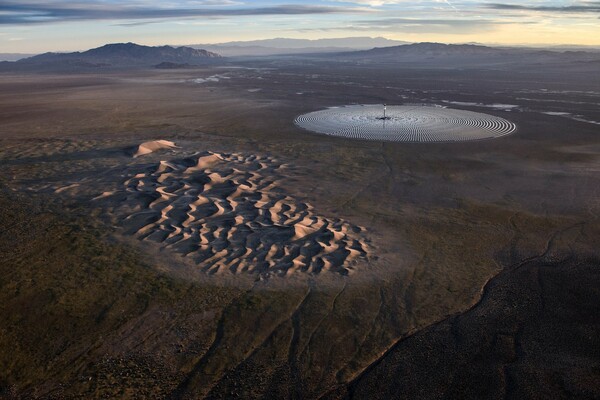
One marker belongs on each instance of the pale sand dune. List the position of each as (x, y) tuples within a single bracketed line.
[(222, 212), (151, 147), (65, 188), (207, 161), (103, 195)]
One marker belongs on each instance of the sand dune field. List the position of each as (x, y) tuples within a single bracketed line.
[(228, 213)]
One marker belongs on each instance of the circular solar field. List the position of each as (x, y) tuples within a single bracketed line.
[(418, 123)]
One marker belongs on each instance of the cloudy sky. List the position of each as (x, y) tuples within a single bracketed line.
[(31, 26)]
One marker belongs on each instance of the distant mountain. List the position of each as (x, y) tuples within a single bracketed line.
[(13, 56), (352, 42), (121, 55), (420, 50), (575, 48), (459, 55), (297, 46)]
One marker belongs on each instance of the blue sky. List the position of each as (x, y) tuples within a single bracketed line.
[(58, 25)]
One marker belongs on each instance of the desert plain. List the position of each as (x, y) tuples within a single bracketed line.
[(173, 234)]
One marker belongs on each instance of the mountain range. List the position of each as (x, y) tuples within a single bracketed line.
[(433, 55), (120, 55), (281, 46), (455, 55)]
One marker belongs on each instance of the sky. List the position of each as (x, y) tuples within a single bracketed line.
[(34, 26)]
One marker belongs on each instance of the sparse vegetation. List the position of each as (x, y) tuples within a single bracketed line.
[(86, 313)]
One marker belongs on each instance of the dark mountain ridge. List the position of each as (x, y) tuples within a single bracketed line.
[(122, 55), (430, 48), (465, 54)]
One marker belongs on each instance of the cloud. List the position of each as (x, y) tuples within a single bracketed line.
[(423, 25), (416, 25), (404, 3), (586, 7), (372, 3), (34, 12)]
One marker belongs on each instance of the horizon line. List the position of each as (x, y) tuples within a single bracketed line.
[(404, 42)]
